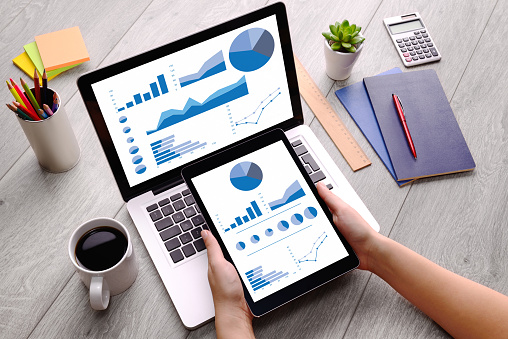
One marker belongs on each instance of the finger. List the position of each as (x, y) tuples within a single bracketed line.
[(212, 246), (334, 203)]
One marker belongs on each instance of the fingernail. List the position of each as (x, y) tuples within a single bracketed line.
[(204, 234)]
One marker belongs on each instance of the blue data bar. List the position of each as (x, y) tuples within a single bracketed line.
[(256, 208), (155, 89), (147, 96), (245, 218), (239, 221), (121, 109), (161, 141), (137, 98), (129, 104), (252, 271), (162, 84), (251, 214), (232, 225)]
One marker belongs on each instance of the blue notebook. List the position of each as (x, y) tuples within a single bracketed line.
[(357, 103), (438, 140)]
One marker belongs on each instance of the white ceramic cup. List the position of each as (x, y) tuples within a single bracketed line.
[(114, 280)]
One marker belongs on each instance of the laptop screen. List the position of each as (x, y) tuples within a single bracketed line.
[(172, 110)]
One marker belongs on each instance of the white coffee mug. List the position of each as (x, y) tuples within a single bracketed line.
[(112, 281)]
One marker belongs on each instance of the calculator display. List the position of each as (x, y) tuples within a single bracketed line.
[(406, 26)]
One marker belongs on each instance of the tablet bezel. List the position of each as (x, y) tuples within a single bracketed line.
[(302, 286), (86, 81)]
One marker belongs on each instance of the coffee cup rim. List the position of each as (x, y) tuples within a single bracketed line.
[(95, 224)]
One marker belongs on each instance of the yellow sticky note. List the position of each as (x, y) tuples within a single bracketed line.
[(26, 65), (62, 48)]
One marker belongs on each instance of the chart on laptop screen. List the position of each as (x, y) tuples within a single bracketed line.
[(269, 220), (175, 109)]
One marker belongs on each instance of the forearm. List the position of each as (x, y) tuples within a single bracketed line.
[(462, 307), (232, 324)]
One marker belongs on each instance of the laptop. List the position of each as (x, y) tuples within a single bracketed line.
[(166, 108)]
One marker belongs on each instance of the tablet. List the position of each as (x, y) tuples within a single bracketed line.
[(271, 224)]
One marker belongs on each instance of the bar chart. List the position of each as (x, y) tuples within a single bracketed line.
[(153, 93), (258, 280), (165, 150), (253, 212)]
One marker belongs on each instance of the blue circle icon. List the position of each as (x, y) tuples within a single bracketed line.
[(283, 225), (254, 239), (137, 159), (133, 150), (130, 140), (251, 49), (310, 212), (122, 119), (240, 246), (269, 232), (126, 129), (296, 219), (246, 176), (140, 169)]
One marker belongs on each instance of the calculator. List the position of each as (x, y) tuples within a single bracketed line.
[(412, 39)]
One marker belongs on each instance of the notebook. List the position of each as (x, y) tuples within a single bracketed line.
[(162, 110), (356, 101), (438, 140)]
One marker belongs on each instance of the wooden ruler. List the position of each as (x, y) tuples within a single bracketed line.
[(330, 121)]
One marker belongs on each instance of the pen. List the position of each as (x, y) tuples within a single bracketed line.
[(402, 118), (37, 87)]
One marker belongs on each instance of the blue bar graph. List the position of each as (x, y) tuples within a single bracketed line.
[(164, 150), (129, 104), (137, 98), (155, 89), (147, 96), (251, 216), (245, 218), (258, 280), (239, 221), (162, 83), (256, 208)]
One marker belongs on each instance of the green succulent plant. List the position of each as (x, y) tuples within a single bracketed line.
[(344, 38)]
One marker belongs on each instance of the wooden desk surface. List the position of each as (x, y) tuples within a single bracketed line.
[(458, 221)]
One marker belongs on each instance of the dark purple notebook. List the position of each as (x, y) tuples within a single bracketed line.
[(438, 140)]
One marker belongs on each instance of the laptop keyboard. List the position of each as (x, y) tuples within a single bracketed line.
[(179, 221)]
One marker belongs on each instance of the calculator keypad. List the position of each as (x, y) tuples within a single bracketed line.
[(417, 46)]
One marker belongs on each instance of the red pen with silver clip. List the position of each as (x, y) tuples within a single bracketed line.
[(402, 118)]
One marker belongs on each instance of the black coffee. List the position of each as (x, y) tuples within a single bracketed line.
[(101, 248)]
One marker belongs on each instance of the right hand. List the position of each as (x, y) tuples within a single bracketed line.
[(353, 227)]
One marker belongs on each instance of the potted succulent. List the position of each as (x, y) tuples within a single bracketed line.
[(343, 45)]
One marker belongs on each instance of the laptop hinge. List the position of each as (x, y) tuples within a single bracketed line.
[(167, 185)]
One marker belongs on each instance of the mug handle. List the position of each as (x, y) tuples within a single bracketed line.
[(99, 293)]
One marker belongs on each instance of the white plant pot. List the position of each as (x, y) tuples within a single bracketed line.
[(339, 65)]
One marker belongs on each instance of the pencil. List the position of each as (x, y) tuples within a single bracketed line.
[(44, 88), (25, 101), (48, 110), (56, 102), (41, 113), (13, 91), (29, 94), (37, 87), (19, 112), (33, 116)]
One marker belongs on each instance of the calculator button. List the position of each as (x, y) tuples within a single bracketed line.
[(425, 50), (403, 50), (421, 56), (408, 59), (410, 48), (412, 38), (414, 42), (415, 58), (424, 31), (420, 41), (419, 52), (425, 35), (433, 50), (406, 54), (417, 47), (427, 39), (418, 36), (401, 45), (408, 43), (412, 53), (406, 39), (399, 41), (423, 46), (428, 55)]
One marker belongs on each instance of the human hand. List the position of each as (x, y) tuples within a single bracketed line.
[(232, 315), (353, 227)]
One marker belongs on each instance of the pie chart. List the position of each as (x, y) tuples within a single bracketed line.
[(246, 176), (251, 49)]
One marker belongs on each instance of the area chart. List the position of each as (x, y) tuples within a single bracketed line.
[(212, 66), (292, 193), (192, 107)]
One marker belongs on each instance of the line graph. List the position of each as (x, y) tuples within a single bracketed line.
[(308, 257), (259, 110)]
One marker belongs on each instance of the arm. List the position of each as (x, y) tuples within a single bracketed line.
[(460, 306), (232, 315)]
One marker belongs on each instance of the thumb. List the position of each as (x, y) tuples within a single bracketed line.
[(334, 203), (212, 246)]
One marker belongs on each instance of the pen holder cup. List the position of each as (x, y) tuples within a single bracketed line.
[(52, 139)]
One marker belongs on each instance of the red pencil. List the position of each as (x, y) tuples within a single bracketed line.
[(26, 103), (33, 116), (37, 87)]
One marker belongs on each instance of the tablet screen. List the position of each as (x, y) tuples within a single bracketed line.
[(269, 219)]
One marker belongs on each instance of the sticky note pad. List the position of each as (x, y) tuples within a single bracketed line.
[(24, 63), (62, 48)]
